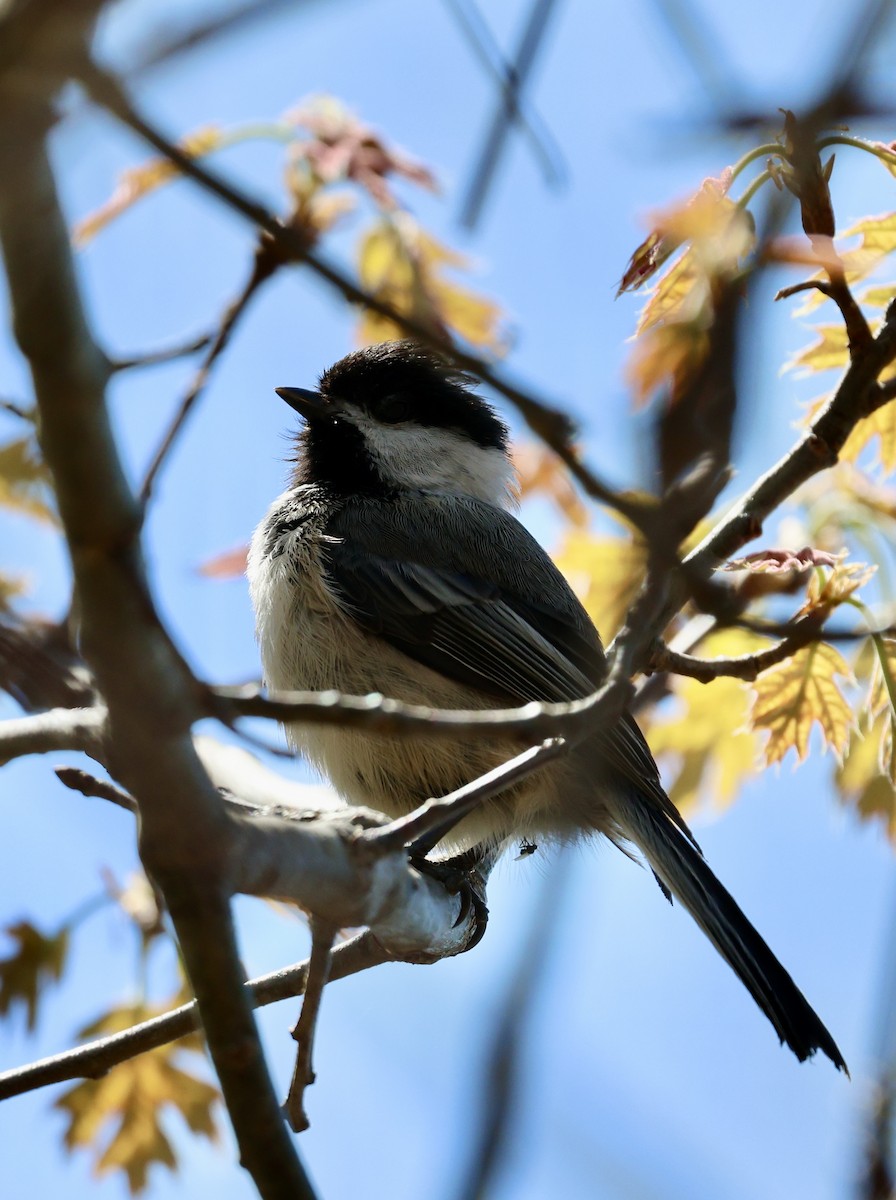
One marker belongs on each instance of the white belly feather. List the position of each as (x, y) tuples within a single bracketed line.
[(308, 644)]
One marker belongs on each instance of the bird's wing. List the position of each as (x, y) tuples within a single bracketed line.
[(478, 600), (459, 625)]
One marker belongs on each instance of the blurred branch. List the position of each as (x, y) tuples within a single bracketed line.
[(58, 729), (263, 267), (479, 37), (166, 45), (17, 410), (169, 354), (500, 1082), (515, 78)]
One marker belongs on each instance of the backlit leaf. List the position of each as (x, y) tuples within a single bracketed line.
[(605, 573), (540, 471), (137, 182), (828, 352), (24, 480), (826, 591), (863, 781), (798, 693), (118, 1117), (707, 732), (36, 961), (403, 266)]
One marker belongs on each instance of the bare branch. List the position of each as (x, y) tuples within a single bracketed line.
[(263, 267), (323, 935), (741, 666), (58, 729), (154, 358), (426, 826), (96, 1058), (818, 448), (102, 789)]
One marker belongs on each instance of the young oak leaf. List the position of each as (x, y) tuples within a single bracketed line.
[(881, 425), (796, 694), (137, 182), (25, 480), (862, 780), (605, 573), (825, 592), (828, 352), (708, 733), (118, 1115), (540, 471), (404, 267), (25, 974)]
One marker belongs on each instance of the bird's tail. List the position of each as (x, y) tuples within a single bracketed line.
[(680, 868)]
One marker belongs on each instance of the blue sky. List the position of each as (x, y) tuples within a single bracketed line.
[(648, 1070)]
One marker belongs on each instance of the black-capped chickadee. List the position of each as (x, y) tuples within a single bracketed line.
[(392, 564)]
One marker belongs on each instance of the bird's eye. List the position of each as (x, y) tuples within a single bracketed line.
[(392, 409)]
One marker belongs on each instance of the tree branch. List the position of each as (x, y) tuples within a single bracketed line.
[(153, 358), (58, 729), (94, 1059), (147, 687), (858, 395)]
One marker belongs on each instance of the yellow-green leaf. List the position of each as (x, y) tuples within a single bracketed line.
[(137, 182), (796, 694), (863, 780), (118, 1117), (403, 266), (706, 733), (605, 573), (24, 480), (37, 961), (828, 352)]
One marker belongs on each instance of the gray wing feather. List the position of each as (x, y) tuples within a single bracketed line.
[(480, 601)]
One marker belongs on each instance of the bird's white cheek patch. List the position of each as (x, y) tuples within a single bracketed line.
[(439, 460)]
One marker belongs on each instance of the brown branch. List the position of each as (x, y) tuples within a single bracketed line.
[(88, 785), (741, 666), (323, 935), (425, 827), (858, 331), (818, 448), (263, 267), (154, 358), (145, 684), (94, 1059)]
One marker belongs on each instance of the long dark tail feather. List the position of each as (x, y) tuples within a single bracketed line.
[(680, 868)]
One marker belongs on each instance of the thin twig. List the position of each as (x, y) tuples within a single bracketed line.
[(323, 935), (263, 267), (94, 1059), (168, 354), (102, 789), (427, 825), (17, 410)]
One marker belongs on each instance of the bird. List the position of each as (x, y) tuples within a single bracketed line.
[(394, 563)]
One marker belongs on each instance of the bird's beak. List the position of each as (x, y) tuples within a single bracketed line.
[(307, 404)]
